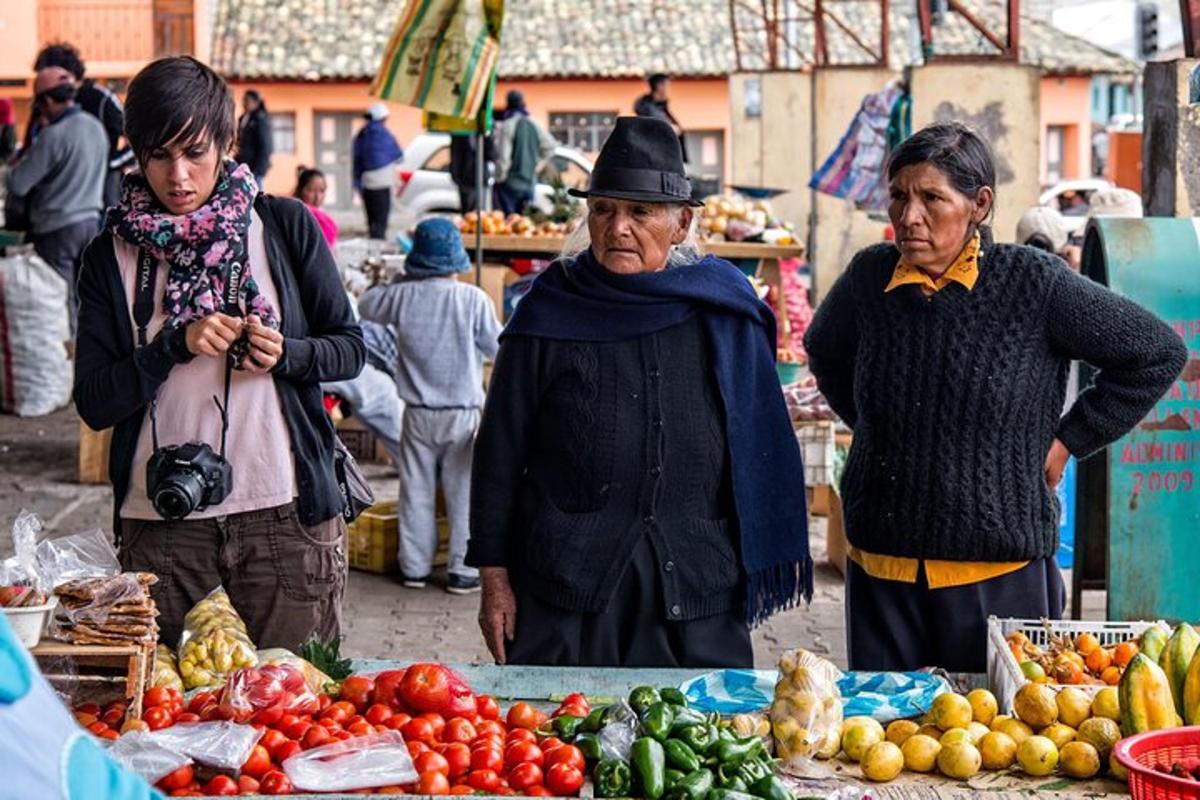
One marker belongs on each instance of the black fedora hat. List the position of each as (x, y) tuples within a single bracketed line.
[(641, 160)]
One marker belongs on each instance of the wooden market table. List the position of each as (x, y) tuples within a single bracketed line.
[(130, 664)]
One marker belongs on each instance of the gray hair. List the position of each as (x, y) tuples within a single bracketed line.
[(687, 252)]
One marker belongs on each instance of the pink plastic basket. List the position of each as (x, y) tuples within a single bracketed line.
[(1139, 754)]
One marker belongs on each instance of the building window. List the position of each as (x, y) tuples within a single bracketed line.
[(583, 130), (283, 132), (1055, 146)]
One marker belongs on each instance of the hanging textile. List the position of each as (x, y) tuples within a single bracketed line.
[(856, 170)]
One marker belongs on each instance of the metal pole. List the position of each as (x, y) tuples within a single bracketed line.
[(479, 167)]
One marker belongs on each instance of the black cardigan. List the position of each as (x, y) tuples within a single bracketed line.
[(114, 381)]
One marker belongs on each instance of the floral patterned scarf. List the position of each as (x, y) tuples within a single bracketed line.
[(199, 247)]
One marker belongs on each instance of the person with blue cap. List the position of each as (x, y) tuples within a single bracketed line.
[(444, 330), (44, 751)]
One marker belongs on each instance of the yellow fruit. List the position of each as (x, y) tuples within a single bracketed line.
[(882, 762), (1058, 733), (1107, 704), (997, 750), (1191, 692), (978, 731), (1079, 760), (932, 731), (995, 723), (1037, 756), (898, 732), (857, 739), (1154, 641), (959, 761), (1074, 706), (1176, 659), (1101, 733), (1145, 697), (831, 745), (983, 706), (951, 711), (956, 735), (1033, 671), (1035, 705), (920, 753), (1116, 769), (1017, 731), (853, 722)]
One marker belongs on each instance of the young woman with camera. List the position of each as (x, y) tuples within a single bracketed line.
[(209, 314)]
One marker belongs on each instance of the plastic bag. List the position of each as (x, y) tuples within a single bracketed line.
[(107, 610), (21, 568), (619, 731), (806, 715), (364, 762), (35, 369), (261, 695), (166, 670), (82, 555), (214, 642), (731, 691), (148, 758), (224, 745), (888, 696), (315, 678), (460, 700)]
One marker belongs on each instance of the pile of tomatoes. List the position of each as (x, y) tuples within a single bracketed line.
[(475, 750)]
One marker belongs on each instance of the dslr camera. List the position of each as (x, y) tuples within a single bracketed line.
[(187, 478)]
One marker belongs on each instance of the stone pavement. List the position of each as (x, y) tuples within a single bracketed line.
[(383, 619)]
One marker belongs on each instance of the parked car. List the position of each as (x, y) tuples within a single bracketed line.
[(1073, 199), (425, 186)]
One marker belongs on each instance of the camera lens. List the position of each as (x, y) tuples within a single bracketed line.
[(178, 495)]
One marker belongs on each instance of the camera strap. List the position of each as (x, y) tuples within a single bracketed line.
[(231, 306), (143, 297)]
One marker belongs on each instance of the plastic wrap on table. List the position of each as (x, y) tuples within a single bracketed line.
[(363, 762), (619, 732), (460, 700), (82, 555), (150, 759), (261, 695), (166, 670), (806, 714), (315, 678), (731, 691), (888, 696), (223, 745), (214, 642), (20, 569)]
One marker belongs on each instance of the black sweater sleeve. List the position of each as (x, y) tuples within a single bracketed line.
[(334, 348), (1138, 357), (832, 344), (501, 451), (112, 380)]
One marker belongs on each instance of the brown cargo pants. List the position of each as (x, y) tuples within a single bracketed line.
[(285, 579)]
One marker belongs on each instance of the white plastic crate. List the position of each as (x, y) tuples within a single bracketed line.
[(817, 447), (1004, 673)]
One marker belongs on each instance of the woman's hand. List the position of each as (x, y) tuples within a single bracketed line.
[(266, 347), (497, 610), (213, 335), (1056, 462)]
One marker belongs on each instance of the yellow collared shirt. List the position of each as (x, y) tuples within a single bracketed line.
[(938, 574)]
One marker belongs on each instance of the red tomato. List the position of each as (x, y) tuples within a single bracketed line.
[(487, 707), (461, 705), (379, 714), (570, 711), (564, 780), (328, 724), (295, 729), (485, 758), (577, 699), (393, 789), (271, 740), (426, 687), (462, 788), (520, 735), (485, 780), (438, 723), (568, 754), (89, 708), (179, 779), (433, 783), (523, 715), (488, 743), (324, 701), (399, 721), (522, 752), (221, 786), (113, 717), (431, 762), (538, 791), (187, 716), (550, 744), (342, 736), (155, 697), (110, 735), (416, 748), (286, 751), (315, 737), (268, 716), (525, 775), (359, 690), (97, 728), (491, 726), (157, 718), (360, 728), (458, 759), (386, 684), (275, 782), (418, 729), (258, 763), (200, 700), (459, 730), (247, 785)]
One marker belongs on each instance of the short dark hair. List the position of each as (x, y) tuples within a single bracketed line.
[(178, 99), (252, 94), (1040, 241), (656, 80), (304, 176), (60, 54), (953, 148)]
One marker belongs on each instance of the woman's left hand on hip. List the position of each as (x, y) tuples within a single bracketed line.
[(1056, 462), (266, 346)]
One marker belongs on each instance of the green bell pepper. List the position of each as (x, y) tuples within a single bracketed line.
[(727, 778), (649, 767), (753, 771), (728, 794), (694, 786), (612, 778), (643, 697), (589, 745), (680, 756), (656, 721), (686, 716), (673, 696), (738, 750), (701, 738), (771, 788), (565, 727), (673, 776), (594, 721)]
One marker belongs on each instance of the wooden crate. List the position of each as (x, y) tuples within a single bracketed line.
[(93, 454), (100, 666), (374, 539)]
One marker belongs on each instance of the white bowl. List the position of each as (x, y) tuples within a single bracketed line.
[(29, 622)]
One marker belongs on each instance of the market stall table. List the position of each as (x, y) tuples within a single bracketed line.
[(130, 664)]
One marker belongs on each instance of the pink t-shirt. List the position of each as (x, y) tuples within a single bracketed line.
[(329, 228), (258, 444)]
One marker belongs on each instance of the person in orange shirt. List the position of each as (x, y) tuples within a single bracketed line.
[(948, 355)]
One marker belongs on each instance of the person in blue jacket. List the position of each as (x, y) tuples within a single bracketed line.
[(44, 751), (375, 155)]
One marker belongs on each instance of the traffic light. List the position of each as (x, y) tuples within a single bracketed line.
[(1147, 30)]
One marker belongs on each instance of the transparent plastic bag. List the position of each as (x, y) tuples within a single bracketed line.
[(95, 599), (148, 758), (806, 715), (619, 731), (82, 555), (223, 745), (20, 569), (261, 695), (166, 670), (364, 762), (278, 656), (460, 700), (214, 642)]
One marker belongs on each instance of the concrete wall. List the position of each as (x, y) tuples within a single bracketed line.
[(19, 33), (1066, 102), (1171, 142)]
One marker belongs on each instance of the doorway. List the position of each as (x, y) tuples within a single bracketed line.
[(334, 143)]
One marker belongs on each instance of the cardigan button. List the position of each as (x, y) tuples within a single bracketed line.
[(667, 567), (676, 611), (656, 470), (654, 373), (648, 519)]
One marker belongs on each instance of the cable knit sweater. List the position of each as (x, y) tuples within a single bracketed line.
[(955, 398)]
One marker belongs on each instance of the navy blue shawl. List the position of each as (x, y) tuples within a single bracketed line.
[(582, 301)]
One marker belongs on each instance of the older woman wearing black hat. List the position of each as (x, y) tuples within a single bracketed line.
[(637, 495)]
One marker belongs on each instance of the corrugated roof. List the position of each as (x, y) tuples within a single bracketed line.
[(345, 39)]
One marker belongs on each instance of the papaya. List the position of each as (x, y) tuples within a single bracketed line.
[(1176, 659), (1154, 641), (1145, 698), (1191, 692)]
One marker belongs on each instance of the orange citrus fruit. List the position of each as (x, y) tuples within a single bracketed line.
[(1111, 676), (1099, 660), (1124, 653), (1085, 643)]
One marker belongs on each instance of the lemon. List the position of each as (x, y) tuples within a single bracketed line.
[(1058, 733), (1107, 704), (959, 761), (1037, 756), (997, 750), (882, 762), (1079, 760), (956, 735), (898, 732), (1017, 731), (1036, 705), (920, 753), (983, 706), (1073, 706), (857, 739), (951, 711), (1101, 733)]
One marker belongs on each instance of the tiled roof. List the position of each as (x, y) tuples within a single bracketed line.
[(344, 39)]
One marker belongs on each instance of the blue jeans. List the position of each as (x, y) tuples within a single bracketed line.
[(510, 200)]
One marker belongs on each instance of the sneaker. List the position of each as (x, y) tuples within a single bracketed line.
[(457, 584), (414, 583)]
